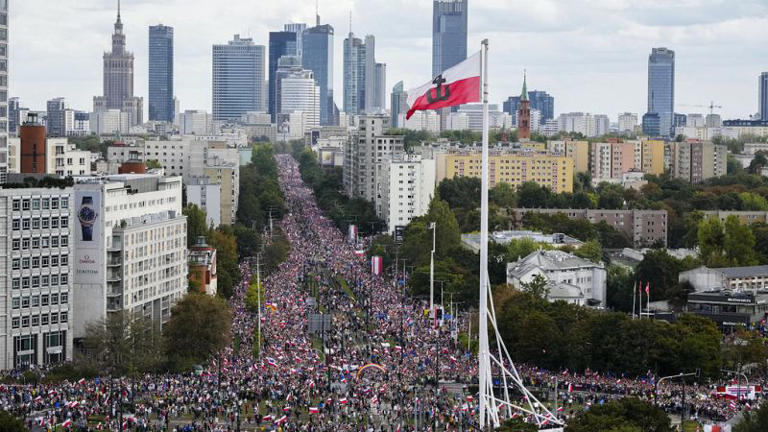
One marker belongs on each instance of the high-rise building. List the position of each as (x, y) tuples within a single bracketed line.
[(399, 103), (297, 28), (364, 154), (281, 44), (14, 115), (540, 101), (627, 123), (317, 56), (4, 91), (238, 78), (355, 53), (524, 114), (300, 93), (661, 88), (380, 88), (449, 34), (397, 205), (118, 79), (56, 121), (763, 96), (161, 104), (39, 274), (696, 161)]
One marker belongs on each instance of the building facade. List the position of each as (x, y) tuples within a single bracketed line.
[(238, 78), (37, 277), (696, 161), (4, 105), (407, 184), (661, 88), (364, 154), (56, 120), (399, 104), (161, 105), (206, 195), (317, 56), (762, 101), (449, 34), (281, 44), (299, 93)]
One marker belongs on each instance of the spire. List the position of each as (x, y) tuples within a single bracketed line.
[(317, 12), (524, 94), (118, 11)]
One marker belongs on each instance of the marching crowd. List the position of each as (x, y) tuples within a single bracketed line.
[(363, 369)]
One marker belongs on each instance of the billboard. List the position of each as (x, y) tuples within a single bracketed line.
[(377, 264), (89, 226), (399, 234), (352, 234)]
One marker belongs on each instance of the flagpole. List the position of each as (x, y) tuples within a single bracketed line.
[(634, 295), (484, 372)]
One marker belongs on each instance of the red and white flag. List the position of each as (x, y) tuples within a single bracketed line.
[(66, 424), (456, 86), (281, 420), (314, 410), (343, 401)]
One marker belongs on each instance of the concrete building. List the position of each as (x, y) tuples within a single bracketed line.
[(627, 123), (206, 195), (696, 161), (649, 156), (37, 282), (586, 124), (194, 122), (554, 172), (569, 278), (299, 93), (365, 153), (202, 266), (612, 159), (540, 101), (745, 217), (738, 279), (728, 309), (474, 118), (56, 120), (118, 80), (109, 122), (643, 227), (578, 151), (556, 240), (362, 77), (227, 175), (421, 120), (406, 186), (130, 248), (238, 78)]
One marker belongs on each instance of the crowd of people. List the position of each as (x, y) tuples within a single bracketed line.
[(371, 366)]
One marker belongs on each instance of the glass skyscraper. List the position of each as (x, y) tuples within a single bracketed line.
[(763, 98), (3, 90), (238, 78), (399, 103), (317, 56), (281, 43), (449, 34), (161, 107), (661, 88)]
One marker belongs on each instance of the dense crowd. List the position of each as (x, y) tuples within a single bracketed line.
[(371, 367)]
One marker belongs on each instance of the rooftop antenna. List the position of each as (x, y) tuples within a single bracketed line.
[(118, 10), (317, 11), (350, 21)]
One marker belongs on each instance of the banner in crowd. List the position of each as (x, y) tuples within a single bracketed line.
[(352, 233), (377, 265), (735, 391)]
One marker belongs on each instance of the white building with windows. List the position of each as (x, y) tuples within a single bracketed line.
[(569, 278), (130, 247), (194, 122), (206, 195), (406, 185), (36, 279), (299, 92), (62, 158)]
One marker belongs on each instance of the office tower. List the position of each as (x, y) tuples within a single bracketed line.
[(763, 96), (539, 100), (280, 44), (524, 114), (56, 119), (652, 125), (118, 79), (317, 56), (297, 28), (286, 65), (14, 115), (627, 123), (449, 34), (355, 52), (299, 93), (39, 273), (380, 88), (399, 101), (161, 104), (3, 91), (238, 78), (661, 88)]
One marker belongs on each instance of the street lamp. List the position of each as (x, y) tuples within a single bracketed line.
[(433, 227)]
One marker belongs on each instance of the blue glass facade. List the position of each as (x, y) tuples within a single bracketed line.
[(661, 88), (238, 78), (652, 124), (317, 56), (763, 100), (161, 105), (540, 100), (449, 34), (280, 44)]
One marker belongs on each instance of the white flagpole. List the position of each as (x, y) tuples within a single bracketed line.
[(432, 314), (634, 296), (485, 387)]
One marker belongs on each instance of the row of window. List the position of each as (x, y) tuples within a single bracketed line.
[(40, 300), (27, 282), (40, 242), (40, 203), (38, 320), (39, 262), (40, 223)]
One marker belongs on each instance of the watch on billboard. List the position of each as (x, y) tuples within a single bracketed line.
[(87, 217)]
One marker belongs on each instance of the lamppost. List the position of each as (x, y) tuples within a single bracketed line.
[(433, 227)]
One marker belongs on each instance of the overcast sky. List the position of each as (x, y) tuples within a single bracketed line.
[(591, 55)]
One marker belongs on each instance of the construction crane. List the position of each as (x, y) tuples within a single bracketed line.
[(711, 106)]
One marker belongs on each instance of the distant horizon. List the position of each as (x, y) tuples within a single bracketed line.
[(590, 55)]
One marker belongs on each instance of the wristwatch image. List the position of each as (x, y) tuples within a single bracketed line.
[(87, 216)]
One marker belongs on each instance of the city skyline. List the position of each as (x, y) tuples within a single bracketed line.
[(557, 43)]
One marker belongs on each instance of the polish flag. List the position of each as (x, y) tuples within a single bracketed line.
[(314, 410), (81, 381), (266, 418), (66, 424), (343, 401), (271, 362), (286, 408), (456, 86), (281, 420)]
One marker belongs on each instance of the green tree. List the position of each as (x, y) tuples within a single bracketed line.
[(123, 343), (753, 202), (447, 234), (153, 164), (531, 195), (758, 163), (620, 282), (503, 195), (460, 192), (196, 224), (10, 423), (754, 421), (623, 415), (659, 270), (590, 250), (738, 243), (199, 327), (711, 236), (537, 287)]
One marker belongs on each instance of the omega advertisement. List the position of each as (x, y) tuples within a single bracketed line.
[(89, 251)]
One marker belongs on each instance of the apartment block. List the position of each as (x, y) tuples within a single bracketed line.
[(578, 151), (696, 161), (365, 153), (406, 186)]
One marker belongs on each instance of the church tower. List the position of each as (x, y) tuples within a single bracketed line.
[(524, 114)]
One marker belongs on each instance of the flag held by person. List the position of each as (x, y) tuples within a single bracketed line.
[(456, 86)]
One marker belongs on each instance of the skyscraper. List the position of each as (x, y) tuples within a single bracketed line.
[(355, 53), (238, 78), (281, 43), (300, 93), (540, 100), (763, 98), (297, 28), (399, 103), (161, 106), (56, 117), (317, 56), (118, 79), (449, 34), (380, 88), (3, 91), (661, 88)]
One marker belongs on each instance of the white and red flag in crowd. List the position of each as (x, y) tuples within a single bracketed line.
[(377, 264), (456, 86)]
